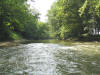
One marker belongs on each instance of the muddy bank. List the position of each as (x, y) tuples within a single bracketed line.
[(13, 43)]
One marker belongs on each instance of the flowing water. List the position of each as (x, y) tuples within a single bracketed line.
[(50, 59)]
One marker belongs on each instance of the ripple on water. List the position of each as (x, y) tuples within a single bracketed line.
[(47, 59)]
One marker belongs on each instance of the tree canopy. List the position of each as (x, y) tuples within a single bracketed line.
[(16, 19), (74, 18), (66, 19)]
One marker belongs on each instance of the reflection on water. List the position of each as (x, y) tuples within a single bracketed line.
[(47, 59)]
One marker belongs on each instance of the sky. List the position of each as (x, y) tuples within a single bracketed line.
[(42, 6)]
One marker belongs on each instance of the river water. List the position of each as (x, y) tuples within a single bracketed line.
[(49, 59)]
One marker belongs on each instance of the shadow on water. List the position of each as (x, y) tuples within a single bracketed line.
[(49, 59)]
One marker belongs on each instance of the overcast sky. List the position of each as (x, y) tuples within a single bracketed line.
[(42, 6)]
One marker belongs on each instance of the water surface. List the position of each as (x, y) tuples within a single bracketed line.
[(50, 59)]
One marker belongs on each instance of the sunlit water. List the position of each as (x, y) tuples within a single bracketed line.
[(48, 59)]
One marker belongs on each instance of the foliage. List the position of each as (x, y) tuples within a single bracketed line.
[(17, 19), (65, 19), (74, 18), (43, 30)]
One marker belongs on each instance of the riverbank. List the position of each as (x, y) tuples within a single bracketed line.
[(62, 42), (12, 43)]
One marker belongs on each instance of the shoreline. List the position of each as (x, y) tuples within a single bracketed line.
[(12, 43), (24, 41)]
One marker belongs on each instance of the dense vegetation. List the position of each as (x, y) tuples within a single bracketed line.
[(75, 18), (18, 21), (66, 19)]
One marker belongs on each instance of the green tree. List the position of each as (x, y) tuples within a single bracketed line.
[(65, 19), (16, 19)]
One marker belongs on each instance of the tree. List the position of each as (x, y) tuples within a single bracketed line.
[(65, 19), (75, 18), (17, 19)]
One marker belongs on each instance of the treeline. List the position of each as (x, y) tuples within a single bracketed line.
[(18, 21), (75, 19)]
